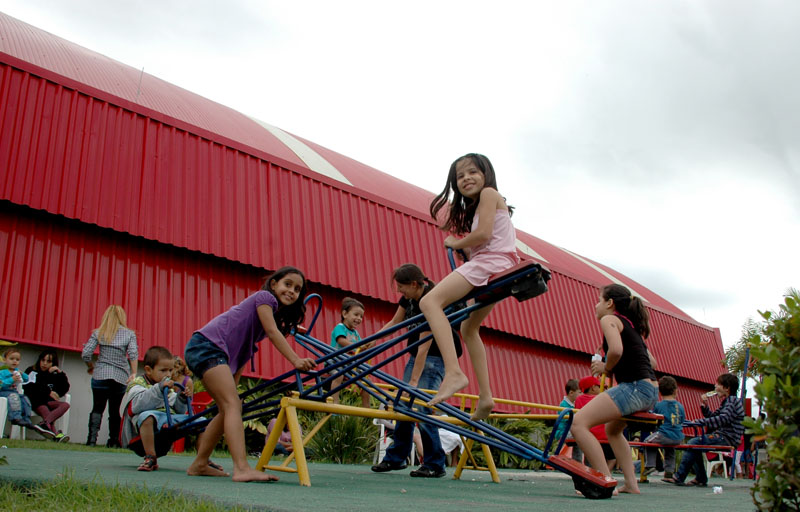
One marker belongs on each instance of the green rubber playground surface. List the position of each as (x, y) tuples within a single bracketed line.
[(355, 487)]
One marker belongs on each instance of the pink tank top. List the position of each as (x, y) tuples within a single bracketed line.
[(503, 239)]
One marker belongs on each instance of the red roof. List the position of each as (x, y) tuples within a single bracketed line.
[(130, 152)]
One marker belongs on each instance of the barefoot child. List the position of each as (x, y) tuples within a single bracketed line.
[(625, 323), (480, 213), (146, 399), (218, 353)]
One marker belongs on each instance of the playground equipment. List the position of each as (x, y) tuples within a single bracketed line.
[(524, 281)]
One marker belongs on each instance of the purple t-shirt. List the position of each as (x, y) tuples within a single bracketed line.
[(238, 330)]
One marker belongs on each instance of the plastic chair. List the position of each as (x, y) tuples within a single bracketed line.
[(711, 464), (3, 415), (383, 441)]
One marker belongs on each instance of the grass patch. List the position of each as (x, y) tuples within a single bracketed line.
[(75, 447), (67, 493)]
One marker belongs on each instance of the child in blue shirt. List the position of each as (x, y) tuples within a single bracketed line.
[(345, 334), (11, 382), (670, 432)]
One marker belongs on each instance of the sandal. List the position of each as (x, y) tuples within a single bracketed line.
[(671, 480), (216, 466), (696, 483), (149, 463)]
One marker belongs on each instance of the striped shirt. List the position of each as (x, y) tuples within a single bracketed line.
[(112, 362), (726, 421)]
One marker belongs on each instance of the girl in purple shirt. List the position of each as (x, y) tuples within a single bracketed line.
[(217, 354)]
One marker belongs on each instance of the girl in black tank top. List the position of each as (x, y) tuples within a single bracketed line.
[(624, 322)]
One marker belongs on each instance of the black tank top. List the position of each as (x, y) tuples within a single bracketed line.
[(635, 363)]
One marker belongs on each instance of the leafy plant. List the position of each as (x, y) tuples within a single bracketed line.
[(777, 347), (343, 439), (736, 354), (533, 432)]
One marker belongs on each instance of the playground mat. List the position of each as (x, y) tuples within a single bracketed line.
[(355, 487)]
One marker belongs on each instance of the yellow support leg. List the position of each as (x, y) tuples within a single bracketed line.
[(297, 442), (272, 441)]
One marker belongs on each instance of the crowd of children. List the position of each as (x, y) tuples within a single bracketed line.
[(479, 220)]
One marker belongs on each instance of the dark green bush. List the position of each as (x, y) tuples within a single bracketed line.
[(776, 344), (533, 432), (343, 439)]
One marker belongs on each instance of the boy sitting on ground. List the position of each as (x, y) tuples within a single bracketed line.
[(670, 432), (146, 400)]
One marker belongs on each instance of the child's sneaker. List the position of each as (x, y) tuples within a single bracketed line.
[(149, 463), (648, 471), (61, 438), (41, 430)]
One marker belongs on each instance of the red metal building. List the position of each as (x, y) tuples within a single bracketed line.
[(118, 187)]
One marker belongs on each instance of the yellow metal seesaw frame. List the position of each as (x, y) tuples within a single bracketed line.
[(288, 415)]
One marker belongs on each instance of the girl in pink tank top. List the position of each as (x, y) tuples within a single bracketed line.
[(479, 214)]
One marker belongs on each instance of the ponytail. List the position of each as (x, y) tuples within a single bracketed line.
[(633, 308), (409, 273)]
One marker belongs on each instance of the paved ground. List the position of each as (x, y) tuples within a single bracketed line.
[(345, 487)]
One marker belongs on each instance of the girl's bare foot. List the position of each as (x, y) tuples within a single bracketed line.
[(205, 470), (451, 385), (253, 475), (483, 409), (626, 490)]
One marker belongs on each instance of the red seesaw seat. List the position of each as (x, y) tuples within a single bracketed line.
[(592, 484)]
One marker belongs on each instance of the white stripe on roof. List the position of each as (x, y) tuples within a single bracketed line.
[(522, 246), (609, 276), (311, 158)]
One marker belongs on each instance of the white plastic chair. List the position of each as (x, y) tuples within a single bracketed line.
[(3, 415), (711, 464), (383, 442)]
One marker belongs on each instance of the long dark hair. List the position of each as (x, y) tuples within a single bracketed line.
[(462, 209), (44, 353), (409, 273), (288, 317), (629, 306)]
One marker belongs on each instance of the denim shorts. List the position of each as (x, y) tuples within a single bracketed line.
[(631, 397), (201, 354)]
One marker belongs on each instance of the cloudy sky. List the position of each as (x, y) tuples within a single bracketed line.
[(661, 138)]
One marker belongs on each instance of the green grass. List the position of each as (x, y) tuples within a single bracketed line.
[(66, 493), (50, 445)]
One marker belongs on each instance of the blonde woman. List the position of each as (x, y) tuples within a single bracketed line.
[(115, 367)]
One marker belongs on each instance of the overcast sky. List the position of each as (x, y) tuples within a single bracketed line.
[(661, 138)]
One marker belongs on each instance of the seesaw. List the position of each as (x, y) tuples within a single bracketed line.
[(523, 282)]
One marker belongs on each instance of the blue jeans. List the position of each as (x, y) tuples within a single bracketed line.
[(403, 443), (19, 407), (694, 458)]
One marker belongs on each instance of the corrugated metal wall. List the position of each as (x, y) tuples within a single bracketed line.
[(71, 154), (59, 275)]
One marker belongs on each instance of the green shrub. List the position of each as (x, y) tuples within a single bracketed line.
[(343, 439), (533, 432), (777, 347)]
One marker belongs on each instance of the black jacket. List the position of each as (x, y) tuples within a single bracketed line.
[(39, 391)]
